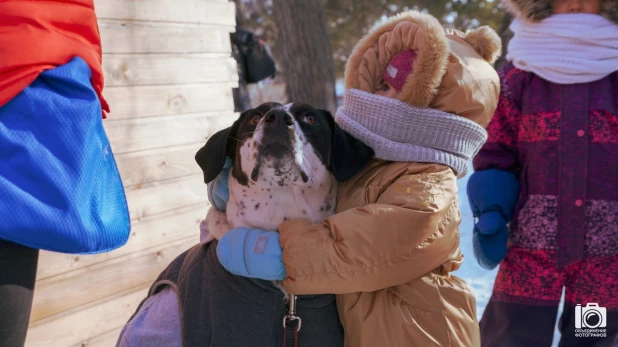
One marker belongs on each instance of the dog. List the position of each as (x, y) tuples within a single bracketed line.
[(287, 160)]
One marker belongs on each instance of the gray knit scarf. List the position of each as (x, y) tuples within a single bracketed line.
[(397, 131)]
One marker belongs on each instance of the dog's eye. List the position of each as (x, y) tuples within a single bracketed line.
[(309, 119), (256, 118)]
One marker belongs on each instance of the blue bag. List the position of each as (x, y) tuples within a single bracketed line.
[(60, 189)]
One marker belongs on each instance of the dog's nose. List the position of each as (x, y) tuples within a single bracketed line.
[(280, 117)]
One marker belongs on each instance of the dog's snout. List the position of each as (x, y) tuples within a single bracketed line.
[(278, 117), (287, 119)]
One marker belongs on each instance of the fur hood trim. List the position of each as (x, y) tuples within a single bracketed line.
[(406, 31), (537, 10)]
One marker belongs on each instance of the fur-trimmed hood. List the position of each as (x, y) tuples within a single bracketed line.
[(452, 70), (537, 10)]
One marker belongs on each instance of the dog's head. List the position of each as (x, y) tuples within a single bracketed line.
[(283, 144)]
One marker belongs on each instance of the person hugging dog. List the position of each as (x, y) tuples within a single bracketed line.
[(420, 96)]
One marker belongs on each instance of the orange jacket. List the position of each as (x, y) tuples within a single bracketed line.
[(39, 35)]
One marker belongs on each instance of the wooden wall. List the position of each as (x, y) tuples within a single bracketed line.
[(168, 79)]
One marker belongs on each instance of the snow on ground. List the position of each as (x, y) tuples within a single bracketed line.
[(479, 279)]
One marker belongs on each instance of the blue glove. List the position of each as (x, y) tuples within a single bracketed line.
[(252, 253), (218, 189), (493, 195)]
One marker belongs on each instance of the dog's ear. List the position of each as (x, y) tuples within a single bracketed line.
[(211, 157), (349, 155)]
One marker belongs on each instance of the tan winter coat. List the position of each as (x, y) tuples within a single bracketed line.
[(389, 251)]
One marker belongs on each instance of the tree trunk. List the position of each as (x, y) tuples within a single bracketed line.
[(505, 36), (307, 57)]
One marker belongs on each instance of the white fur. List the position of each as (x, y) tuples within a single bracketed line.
[(216, 225), (279, 193)]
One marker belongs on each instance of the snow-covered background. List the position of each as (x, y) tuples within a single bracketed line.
[(479, 279)]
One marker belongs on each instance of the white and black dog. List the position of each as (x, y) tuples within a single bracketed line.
[(287, 160)]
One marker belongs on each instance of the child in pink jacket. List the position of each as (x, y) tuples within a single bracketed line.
[(550, 168)]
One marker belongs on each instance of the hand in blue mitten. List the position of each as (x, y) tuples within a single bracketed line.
[(218, 189), (493, 195), (252, 253), (490, 238)]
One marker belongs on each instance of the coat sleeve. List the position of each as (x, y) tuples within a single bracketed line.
[(157, 323), (409, 231), (500, 150)]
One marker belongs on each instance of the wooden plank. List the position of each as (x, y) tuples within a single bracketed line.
[(107, 339), (158, 164), (152, 198), (151, 231), (148, 101), (187, 11), (156, 69), (77, 325), (92, 283), (119, 36), (128, 135)]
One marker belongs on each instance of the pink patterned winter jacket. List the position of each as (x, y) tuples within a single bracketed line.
[(562, 142)]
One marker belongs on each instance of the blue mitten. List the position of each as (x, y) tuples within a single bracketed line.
[(252, 253), (493, 195), (218, 189)]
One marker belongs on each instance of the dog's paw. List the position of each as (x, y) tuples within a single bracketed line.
[(217, 223)]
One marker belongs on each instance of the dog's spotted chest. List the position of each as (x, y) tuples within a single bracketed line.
[(266, 206)]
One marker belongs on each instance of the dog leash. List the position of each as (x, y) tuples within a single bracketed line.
[(291, 325)]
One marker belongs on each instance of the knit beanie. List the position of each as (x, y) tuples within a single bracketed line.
[(399, 69)]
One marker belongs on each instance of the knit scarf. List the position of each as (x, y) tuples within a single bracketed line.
[(566, 48), (397, 131)]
